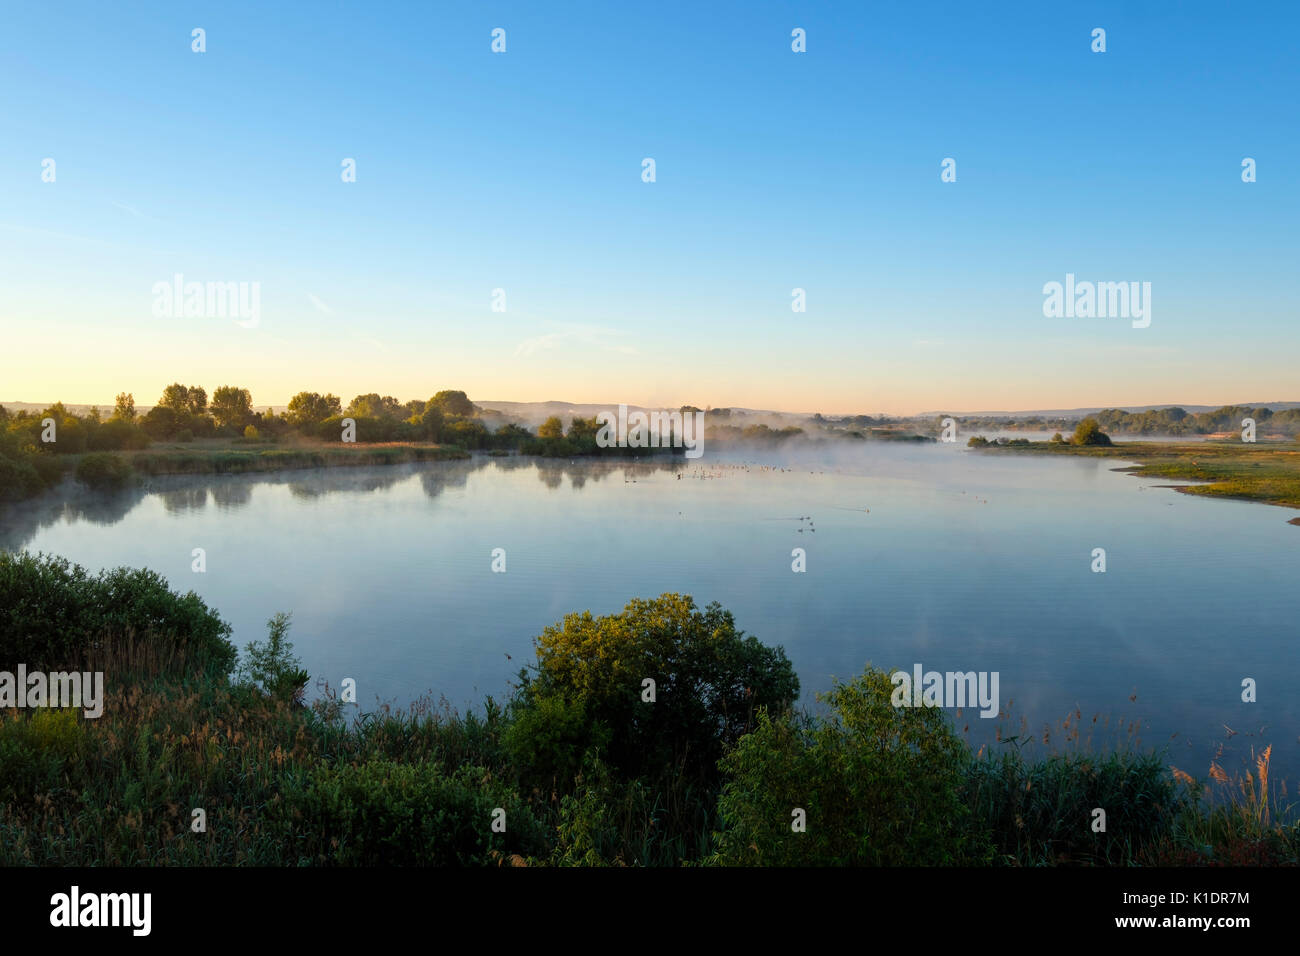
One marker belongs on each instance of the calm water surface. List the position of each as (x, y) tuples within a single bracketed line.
[(929, 554)]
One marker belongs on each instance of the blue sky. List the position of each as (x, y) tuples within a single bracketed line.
[(775, 170)]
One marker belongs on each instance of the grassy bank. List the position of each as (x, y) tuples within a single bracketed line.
[(197, 760), (227, 459), (1268, 473)]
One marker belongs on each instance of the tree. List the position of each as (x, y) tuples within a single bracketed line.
[(551, 428), (198, 400), (177, 398), (124, 409), (161, 422), (231, 406), (1088, 432), (589, 690), (452, 403), (373, 405), (272, 666), (432, 422), (583, 428), (312, 408)]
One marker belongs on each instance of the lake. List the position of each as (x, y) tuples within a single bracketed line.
[(925, 553)]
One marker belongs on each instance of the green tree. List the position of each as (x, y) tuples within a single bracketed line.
[(1088, 432), (551, 428), (452, 403), (177, 398), (311, 408), (588, 690), (374, 405), (231, 406), (272, 665), (162, 422), (581, 429), (124, 407)]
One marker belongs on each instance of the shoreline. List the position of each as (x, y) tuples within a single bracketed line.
[(1265, 473)]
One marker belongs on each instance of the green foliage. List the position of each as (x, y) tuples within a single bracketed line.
[(382, 812), (880, 786), (309, 409), (1041, 812), (117, 435), (53, 612), (38, 749), (101, 471), (551, 428), (451, 402), (19, 478), (1089, 432), (124, 407), (710, 680), (373, 405), (272, 666), (161, 422), (231, 407)]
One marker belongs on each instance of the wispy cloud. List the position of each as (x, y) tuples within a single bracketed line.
[(588, 335), (131, 210), (320, 306)]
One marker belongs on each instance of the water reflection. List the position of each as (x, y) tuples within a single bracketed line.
[(182, 495)]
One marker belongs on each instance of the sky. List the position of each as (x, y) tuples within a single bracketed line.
[(775, 170)]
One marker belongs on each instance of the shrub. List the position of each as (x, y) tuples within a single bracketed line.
[(53, 612), (880, 786), (118, 435), (588, 686), (272, 666), (250, 431), (18, 478), (399, 814), (1088, 432), (102, 471)]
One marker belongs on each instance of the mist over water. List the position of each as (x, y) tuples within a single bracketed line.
[(916, 553)]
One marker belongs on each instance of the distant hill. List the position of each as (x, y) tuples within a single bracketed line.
[(1080, 412), (534, 413)]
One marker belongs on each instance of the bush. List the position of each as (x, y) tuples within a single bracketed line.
[(398, 814), (250, 431), (880, 786), (53, 612), (102, 471), (272, 666), (1088, 432), (18, 478), (118, 435), (588, 686)]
